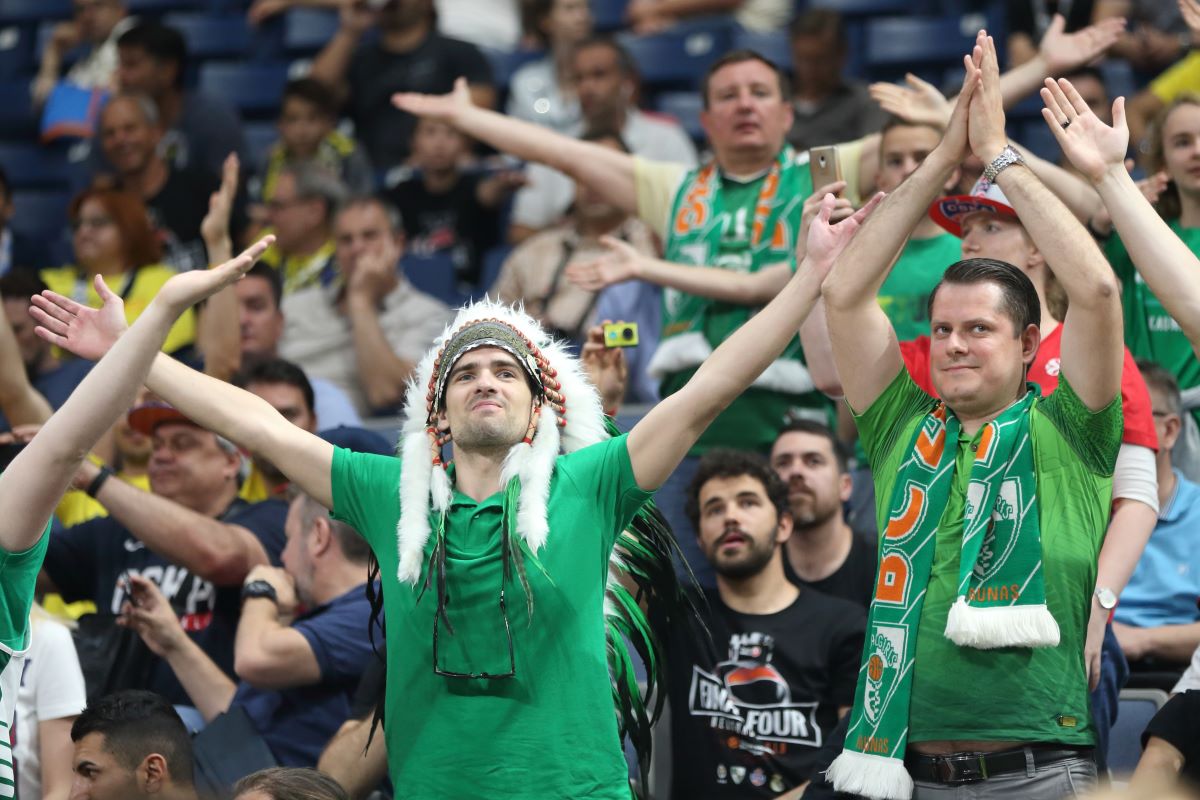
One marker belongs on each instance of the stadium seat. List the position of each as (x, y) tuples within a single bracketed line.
[(685, 107), (211, 36), (162, 6), (16, 109), (504, 63), (16, 51), (678, 57), (259, 138), (12, 11), (32, 166), (775, 46), (434, 275), (254, 89), (307, 30), (1137, 707), (608, 15), (864, 8), (40, 213), (900, 41), (1119, 79)]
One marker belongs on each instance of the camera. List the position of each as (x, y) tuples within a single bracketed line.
[(620, 334)]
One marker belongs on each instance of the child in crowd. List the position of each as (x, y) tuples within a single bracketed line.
[(448, 209)]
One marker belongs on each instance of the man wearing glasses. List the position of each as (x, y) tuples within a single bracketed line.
[(494, 568)]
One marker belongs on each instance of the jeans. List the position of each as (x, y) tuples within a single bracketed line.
[(1114, 672), (1070, 777)]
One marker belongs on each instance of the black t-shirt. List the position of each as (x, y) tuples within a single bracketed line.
[(453, 223), (1031, 16), (86, 561), (375, 75), (1178, 723), (177, 211), (854, 580), (749, 719)]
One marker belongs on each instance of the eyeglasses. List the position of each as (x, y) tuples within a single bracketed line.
[(439, 556), (91, 222)]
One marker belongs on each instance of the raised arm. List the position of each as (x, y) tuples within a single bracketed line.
[(218, 334), (607, 171), (1168, 266), (623, 262), (864, 344), (1093, 331), (662, 438), (20, 402), (39, 475)]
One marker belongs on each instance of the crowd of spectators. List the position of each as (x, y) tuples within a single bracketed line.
[(204, 628)]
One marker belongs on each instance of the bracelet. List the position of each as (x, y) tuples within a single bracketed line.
[(98, 481), (1008, 156)]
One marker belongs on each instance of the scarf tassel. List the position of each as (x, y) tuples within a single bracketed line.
[(985, 628), (877, 777)]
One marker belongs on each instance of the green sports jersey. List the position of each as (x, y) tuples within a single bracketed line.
[(1150, 332), (549, 731), (904, 296), (18, 576), (1008, 694)]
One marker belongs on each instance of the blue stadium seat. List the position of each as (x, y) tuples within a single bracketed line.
[(40, 213), (307, 30), (900, 41), (162, 6), (493, 260), (253, 89), (1137, 707), (32, 166), (211, 36), (685, 107), (679, 56), (1034, 134), (1119, 79), (16, 109), (776, 45), (434, 275), (864, 8), (16, 51), (34, 10), (259, 138), (608, 15), (504, 63)]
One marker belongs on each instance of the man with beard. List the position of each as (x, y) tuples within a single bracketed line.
[(823, 551), (755, 703)]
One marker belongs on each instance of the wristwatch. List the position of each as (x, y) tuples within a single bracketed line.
[(1106, 597), (260, 589), (1008, 156)]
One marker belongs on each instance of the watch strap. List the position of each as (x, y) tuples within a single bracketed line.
[(1008, 156), (103, 475), (260, 589)]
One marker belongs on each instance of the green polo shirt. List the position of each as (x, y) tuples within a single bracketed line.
[(904, 296), (1011, 693), (549, 731)]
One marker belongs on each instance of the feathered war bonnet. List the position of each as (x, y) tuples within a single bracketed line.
[(566, 415)]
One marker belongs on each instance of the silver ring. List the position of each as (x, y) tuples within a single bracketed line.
[(1066, 124)]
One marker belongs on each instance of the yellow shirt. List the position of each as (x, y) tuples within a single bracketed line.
[(136, 288), (1183, 76)]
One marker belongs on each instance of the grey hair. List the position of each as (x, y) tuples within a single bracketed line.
[(143, 102), (395, 221), (315, 182)]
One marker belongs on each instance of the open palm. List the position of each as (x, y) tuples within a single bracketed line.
[(826, 241), (1091, 146), (87, 332), (443, 107), (617, 265)]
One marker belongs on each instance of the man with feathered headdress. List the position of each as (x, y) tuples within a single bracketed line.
[(504, 632)]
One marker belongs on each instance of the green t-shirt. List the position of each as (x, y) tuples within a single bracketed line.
[(549, 731), (1150, 332), (904, 296), (1018, 694), (18, 576)]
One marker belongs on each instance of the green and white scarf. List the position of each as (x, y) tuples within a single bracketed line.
[(700, 219), (1001, 593)]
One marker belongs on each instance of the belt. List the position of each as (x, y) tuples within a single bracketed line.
[(958, 768)]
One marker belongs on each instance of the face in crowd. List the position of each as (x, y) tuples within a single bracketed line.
[(739, 528)]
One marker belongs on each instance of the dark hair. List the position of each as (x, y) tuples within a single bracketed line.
[(291, 783), (135, 724), (272, 276), (275, 370), (724, 463), (21, 284), (311, 90), (624, 60), (801, 425), (737, 57), (1159, 377), (1088, 72), (129, 214), (605, 134), (820, 22), (394, 219), (162, 43), (1020, 302)]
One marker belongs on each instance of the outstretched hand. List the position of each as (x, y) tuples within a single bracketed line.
[(444, 107), (90, 332), (1092, 147), (827, 240), (919, 103), (619, 264), (214, 228), (1064, 52), (812, 207)]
